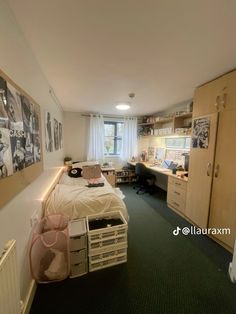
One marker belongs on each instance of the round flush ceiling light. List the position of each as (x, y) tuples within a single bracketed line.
[(123, 106)]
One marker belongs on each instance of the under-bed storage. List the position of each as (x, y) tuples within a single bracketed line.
[(107, 240)]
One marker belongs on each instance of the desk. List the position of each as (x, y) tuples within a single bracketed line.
[(162, 174)]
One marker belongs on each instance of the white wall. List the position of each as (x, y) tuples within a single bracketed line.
[(18, 62), (76, 127)]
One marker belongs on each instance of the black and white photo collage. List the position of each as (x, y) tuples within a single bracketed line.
[(54, 137), (19, 131)]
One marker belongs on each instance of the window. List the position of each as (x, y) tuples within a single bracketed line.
[(113, 137), (178, 143)]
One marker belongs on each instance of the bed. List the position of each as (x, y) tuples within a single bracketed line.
[(73, 198)]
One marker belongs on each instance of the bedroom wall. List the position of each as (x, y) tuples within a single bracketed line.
[(18, 62), (76, 138), (76, 129)]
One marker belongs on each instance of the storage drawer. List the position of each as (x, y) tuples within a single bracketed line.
[(178, 192), (78, 256), (108, 243), (78, 242), (108, 262), (107, 255), (78, 269), (176, 201), (177, 182)]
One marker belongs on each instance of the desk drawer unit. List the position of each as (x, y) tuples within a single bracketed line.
[(176, 195), (107, 240), (78, 248), (177, 183)]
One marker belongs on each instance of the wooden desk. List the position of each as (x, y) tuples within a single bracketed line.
[(162, 174)]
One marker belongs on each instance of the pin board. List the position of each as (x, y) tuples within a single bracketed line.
[(21, 159)]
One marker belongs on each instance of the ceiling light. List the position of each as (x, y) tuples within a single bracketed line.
[(123, 106)]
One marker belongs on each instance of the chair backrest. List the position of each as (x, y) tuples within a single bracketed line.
[(140, 169)]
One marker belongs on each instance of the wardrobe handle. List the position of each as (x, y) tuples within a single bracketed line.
[(217, 104), (224, 100), (208, 169), (217, 168)]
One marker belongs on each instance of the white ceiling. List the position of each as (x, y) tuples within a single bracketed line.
[(95, 52)]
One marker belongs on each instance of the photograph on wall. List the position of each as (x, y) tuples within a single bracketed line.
[(60, 136), (37, 148), (29, 149), (48, 135), (27, 113), (56, 134), (6, 168), (200, 133), (14, 109), (36, 135), (18, 152), (151, 151), (4, 122)]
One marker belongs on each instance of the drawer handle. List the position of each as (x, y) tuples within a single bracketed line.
[(176, 204), (176, 192), (177, 183)]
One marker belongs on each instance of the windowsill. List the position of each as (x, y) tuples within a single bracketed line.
[(111, 156)]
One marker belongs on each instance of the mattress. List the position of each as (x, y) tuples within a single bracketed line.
[(74, 199)]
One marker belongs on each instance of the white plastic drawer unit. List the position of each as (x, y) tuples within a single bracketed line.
[(106, 229), (99, 257), (77, 233), (78, 269), (105, 223), (78, 256), (107, 243), (115, 260)]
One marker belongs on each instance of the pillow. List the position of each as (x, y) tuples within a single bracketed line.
[(75, 173)]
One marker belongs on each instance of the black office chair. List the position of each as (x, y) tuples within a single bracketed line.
[(144, 180)]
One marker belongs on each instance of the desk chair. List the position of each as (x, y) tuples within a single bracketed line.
[(144, 180)]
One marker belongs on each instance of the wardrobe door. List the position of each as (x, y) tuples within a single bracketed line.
[(223, 200), (207, 97), (200, 175), (229, 97)]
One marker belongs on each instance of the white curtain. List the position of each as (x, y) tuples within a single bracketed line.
[(129, 140), (96, 138)]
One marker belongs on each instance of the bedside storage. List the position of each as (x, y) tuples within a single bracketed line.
[(78, 248), (107, 240), (176, 193), (110, 175)]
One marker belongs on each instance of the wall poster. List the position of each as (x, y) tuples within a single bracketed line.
[(19, 124), (20, 139), (200, 133)]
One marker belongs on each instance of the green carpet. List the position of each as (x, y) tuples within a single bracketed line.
[(164, 273)]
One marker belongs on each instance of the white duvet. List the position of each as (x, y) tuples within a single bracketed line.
[(74, 199)]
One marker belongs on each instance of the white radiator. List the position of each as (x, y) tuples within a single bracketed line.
[(9, 282)]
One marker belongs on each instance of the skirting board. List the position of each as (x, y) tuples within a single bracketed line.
[(29, 298)]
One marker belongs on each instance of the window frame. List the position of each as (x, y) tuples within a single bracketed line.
[(116, 137)]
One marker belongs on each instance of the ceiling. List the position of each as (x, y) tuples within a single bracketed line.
[(94, 53)]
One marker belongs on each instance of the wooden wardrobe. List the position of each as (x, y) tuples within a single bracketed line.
[(211, 193)]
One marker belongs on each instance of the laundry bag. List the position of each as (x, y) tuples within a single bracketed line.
[(49, 251)]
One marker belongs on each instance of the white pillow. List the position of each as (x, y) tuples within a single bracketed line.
[(84, 163)]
